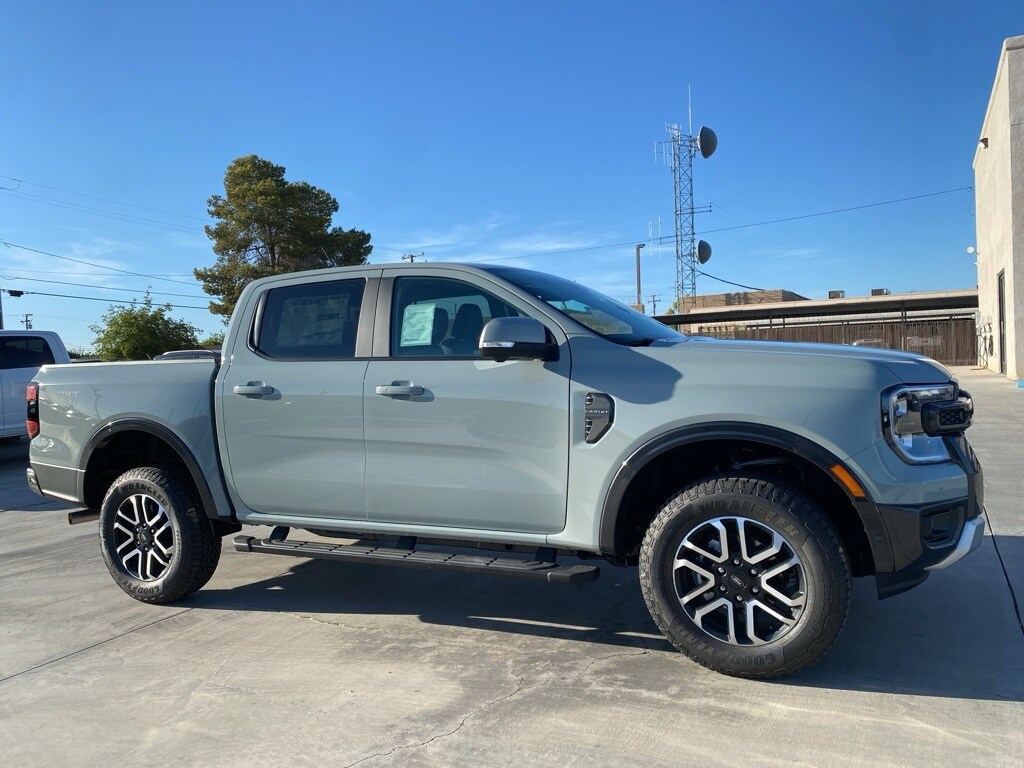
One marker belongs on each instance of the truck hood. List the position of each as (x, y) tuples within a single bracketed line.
[(908, 367)]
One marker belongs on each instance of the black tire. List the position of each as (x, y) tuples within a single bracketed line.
[(767, 506), (195, 550)]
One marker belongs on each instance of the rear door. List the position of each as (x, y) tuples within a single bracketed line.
[(291, 413), (21, 357), (474, 443)]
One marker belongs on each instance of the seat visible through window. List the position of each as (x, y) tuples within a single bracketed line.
[(465, 338), (422, 312)]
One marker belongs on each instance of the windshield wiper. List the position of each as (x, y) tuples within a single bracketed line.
[(646, 341)]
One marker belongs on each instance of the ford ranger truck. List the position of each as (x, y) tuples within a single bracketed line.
[(528, 418)]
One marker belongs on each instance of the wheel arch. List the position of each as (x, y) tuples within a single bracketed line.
[(641, 485), (125, 444)]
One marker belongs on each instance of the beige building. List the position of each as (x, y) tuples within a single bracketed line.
[(999, 190)]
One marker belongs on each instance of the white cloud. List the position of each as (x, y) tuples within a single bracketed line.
[(456, 236)]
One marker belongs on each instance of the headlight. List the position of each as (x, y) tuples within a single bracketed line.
[(904, 430)]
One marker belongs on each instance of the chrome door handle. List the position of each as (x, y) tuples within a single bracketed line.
[(392, 390), (252, 390)]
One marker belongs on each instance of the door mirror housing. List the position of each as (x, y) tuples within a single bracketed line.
[(517, 338)]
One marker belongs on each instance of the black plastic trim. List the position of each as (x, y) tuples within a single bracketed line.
[(543, 570), (966, 459), (778, 438), (598, 415), (157, 430)]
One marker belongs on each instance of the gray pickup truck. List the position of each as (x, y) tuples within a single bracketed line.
[(426, 410)]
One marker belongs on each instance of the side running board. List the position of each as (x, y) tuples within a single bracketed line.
[(543, 569)]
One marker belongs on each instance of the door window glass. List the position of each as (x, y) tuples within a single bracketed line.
[(440, 317), (312, 320), (24, 352)]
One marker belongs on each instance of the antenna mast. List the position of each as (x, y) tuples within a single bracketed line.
[(679, 151)]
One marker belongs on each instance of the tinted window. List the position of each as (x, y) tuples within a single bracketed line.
[(438, 317), (24, 352), (317, 320)]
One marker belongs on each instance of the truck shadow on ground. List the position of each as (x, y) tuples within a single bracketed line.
[(955, 636)]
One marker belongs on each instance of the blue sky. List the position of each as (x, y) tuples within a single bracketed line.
[(497, 130)]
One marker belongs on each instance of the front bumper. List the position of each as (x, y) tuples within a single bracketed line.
[(970, 539), (933, 536)]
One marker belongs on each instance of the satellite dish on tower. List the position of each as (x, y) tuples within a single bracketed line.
[(703, 251), (707, 142)]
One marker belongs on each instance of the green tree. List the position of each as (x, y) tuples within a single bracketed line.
[(267, 225), (139, 331), (213, 340)]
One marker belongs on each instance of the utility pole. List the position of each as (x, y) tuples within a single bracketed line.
[(411, 257), (27, 320), (639, 301), (654, 303)]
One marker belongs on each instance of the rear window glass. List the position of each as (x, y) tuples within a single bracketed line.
[(313, 320), (24, 352)]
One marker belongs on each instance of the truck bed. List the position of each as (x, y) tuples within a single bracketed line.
[(79, 406)]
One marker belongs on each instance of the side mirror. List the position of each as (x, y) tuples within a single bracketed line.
[(516, 338)]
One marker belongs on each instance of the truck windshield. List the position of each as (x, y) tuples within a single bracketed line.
[(602, 315)]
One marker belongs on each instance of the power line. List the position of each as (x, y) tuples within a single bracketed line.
[(729, 282), (126, 217), (94, 264), (94, 197), (95, 298), (13, 192), (837, 210), (95, 274), (103, 287), (671, 238)]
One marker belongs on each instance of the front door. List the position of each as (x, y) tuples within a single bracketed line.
[(291, 416), (453, 439)]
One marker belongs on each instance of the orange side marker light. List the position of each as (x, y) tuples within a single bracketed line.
[(849, 481)]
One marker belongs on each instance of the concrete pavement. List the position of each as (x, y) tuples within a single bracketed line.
[(290, 662)]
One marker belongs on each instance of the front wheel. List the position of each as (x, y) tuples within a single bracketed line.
[(156, 539), (746, 576)]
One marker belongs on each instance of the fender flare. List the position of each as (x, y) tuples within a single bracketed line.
[(163, 433), (806, 449)]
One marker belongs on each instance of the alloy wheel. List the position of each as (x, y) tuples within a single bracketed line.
[(143, 537), (739, 581)]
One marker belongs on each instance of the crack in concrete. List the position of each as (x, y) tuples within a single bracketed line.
[(1006, 573), (94, 645), (438, 736), (326, 622), (586, 669), (520, 687)]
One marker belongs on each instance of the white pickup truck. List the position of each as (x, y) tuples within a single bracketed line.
[(22, 354)]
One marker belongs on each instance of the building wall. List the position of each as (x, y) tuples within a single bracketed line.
[(770, 296), (999, 190)]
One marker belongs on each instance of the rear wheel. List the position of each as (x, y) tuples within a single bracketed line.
[(156, 539), (746, 576)]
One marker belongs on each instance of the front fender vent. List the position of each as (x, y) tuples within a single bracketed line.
[(599, 413)]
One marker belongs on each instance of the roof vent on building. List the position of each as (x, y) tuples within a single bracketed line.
[(837, 294), (880, 292)]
